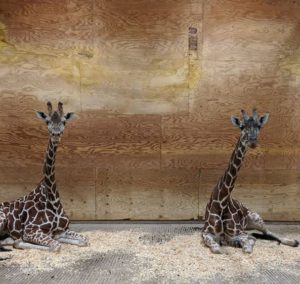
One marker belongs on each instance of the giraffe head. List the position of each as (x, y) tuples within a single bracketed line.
[(250, 126), (55, 120)]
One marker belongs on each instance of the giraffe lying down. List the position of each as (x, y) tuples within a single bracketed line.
[(38, 220), (226, 219), (237, 219)]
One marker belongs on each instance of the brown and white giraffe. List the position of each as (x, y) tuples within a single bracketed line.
[(38, 220), (226, 219)]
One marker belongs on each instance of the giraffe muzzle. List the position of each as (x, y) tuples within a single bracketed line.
[(56, 137), (252, 142)]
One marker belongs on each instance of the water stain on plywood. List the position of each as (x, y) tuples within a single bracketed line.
[(107, 54)]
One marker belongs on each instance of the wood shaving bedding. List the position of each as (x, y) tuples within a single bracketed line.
[(183, 256)]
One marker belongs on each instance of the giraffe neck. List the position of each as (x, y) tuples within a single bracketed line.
[(49, 172), (227, 181)]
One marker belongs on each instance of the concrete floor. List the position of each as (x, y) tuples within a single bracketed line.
[(120, 267)]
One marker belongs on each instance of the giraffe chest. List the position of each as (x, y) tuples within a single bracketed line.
[(235, 219), (53, 219)]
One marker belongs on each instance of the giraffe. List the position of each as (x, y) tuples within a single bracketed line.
[(227, 219), (38, 220)]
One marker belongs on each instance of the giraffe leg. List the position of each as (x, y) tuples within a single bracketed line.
[(3, 222), (37, 239), (19, 244), (255, 222), (244, 241), (210, 241), (73, 238), (7, 241)]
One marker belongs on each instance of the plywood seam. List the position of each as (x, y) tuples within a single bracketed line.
[(95, 188), (199, 188), (80, 86), (160, 143), (202, 35)]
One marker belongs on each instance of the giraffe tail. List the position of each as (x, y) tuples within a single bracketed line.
[(266, 237), (271, 237)]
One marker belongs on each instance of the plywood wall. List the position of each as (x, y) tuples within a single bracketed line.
[(153, 84)]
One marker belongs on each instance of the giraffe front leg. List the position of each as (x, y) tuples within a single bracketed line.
[(210, 241), (73, 238), (243, 240), (37, 239), (255, 222), (3, 222)]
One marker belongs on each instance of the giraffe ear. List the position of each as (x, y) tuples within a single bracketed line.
[(41, 115), (69, 116), (236, 121), (263, 119)]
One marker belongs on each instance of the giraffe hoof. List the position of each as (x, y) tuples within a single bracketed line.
[(216, 250), (17, 245), (84, 244), (248, 250)]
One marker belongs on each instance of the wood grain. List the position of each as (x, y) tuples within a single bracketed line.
[(228, 87), (97, 45), (92, 128), (45, 21), (260, 31), (152, 106), (147, 194), (144, 67)]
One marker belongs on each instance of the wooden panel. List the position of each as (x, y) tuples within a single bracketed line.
[(153, 84), (142, 65), (228, 87), (271, 193), (94, 47), (147, 194), (30, 76), (76, 187), (253, 30), (207, 142), (93, 127), (174, 100), (45, 22), (128, 156), (142, 28), (78, 191)]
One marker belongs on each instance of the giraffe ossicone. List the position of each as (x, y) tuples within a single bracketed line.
[(38, 220), (227, 219)]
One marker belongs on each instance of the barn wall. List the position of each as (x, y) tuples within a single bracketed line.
[(153, 84)]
